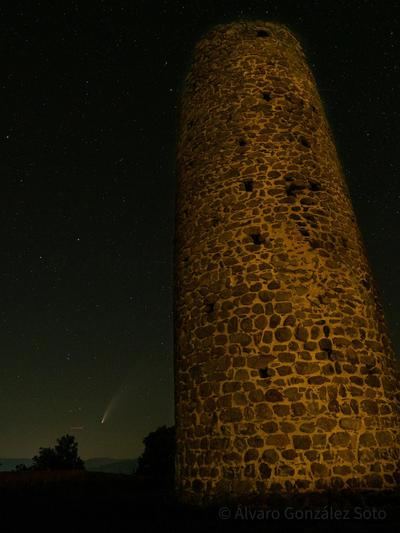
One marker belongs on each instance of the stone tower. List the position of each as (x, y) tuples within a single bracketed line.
[(284, 372)]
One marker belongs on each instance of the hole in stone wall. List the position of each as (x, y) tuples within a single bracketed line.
[(248, 185), (326, 331), (242, 142), (294, 185), (257, 239), (210, 307), (305, 142), (263, 372), (263, 33), (304, 232), (315, 186), (366, 283), (291, 189), (267, 96)]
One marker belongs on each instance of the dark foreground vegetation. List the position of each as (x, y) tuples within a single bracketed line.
[(57, 493), (112, 502)]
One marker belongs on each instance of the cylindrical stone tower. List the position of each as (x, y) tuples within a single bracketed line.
[(284, 371)]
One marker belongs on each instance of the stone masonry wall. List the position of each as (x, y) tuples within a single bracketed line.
[(284, 370)]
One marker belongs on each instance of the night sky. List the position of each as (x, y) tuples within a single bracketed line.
[(90, 96)]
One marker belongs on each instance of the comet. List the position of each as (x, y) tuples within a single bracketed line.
[(113, 403)]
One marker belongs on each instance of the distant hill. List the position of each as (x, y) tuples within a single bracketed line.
[(97, 464), (6, 465), (111, 466)]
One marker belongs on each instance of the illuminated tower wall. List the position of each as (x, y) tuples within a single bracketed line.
[(283, 367)]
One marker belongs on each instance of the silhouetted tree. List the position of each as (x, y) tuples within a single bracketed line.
[(64, 456), (158, 459), (67, 453)]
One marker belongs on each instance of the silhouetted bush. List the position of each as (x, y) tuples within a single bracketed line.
[(21, 468)]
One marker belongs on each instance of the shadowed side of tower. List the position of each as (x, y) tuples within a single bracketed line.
[(284, 376)]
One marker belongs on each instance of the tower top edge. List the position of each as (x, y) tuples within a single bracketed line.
[(239, 29), (248, 23)]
